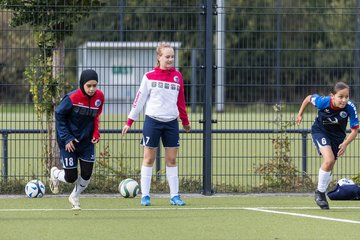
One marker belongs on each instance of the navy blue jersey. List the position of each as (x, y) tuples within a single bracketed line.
[(77, 117), (332, 121)]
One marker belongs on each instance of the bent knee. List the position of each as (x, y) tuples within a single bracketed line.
[(328, 165), (71, 175), (70, 179)]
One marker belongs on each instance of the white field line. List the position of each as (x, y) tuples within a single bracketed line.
[(264, 209), (303, 215), (258, 209)]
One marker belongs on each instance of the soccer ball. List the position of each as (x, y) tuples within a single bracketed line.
[(345, 181), (129, 188), (35, 189)]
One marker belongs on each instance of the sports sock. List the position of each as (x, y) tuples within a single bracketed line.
[(324, 180), (145, 181), (80, 186), (173, 179)]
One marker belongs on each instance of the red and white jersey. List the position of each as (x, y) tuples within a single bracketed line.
[(163, 93)]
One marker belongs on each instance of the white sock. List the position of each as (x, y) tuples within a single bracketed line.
[(324, 180), (60, 175), (173, 179), (145, 181), (80, 186)]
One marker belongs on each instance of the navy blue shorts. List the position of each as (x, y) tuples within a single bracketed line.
[(322, 140), (69, 160), (154, 130)]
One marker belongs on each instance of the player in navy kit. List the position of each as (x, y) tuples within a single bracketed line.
[(162, 90), (77, 130), (329, 132)]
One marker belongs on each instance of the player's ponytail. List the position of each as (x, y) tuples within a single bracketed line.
[(339, 86)]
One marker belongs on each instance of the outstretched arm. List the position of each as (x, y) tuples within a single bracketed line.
[(302, 109)]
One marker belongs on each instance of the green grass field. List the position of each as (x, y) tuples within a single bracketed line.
[(204, 217)]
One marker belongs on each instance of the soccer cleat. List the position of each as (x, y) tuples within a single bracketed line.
[(75, 202), (320, 200), (176, 200), (145, 201), (54, 182)]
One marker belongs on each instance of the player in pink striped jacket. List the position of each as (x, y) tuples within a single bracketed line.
[(162, 90)]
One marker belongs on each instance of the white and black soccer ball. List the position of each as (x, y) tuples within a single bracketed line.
[(35, 189), (129, 188), (345, 181)]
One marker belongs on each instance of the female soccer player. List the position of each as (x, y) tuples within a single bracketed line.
[(162, 90), (77, 130), (329, 132)]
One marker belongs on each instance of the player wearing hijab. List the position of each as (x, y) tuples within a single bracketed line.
[(77, 130)]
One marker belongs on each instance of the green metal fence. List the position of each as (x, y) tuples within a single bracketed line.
[(238, 59)]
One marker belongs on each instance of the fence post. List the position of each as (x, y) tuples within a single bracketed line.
[(207, 142), (193, 91), (278, 50), (356, 52), (5, 155), (304, 155)]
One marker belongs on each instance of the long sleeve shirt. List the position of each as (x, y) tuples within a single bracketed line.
[(163, 93), (77, 117)]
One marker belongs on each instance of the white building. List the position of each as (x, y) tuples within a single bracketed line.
[(120, 66)]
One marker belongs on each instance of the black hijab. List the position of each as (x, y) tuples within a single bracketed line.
[(86, 76)]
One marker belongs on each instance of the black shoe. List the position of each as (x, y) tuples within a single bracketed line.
[(320, 200)]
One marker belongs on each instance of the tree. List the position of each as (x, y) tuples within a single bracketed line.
[(52, 21), (12, 88)]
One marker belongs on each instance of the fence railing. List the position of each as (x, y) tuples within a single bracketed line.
[(304, 133)]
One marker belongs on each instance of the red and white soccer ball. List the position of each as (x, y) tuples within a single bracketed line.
[(129, 188), (35, 189)]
